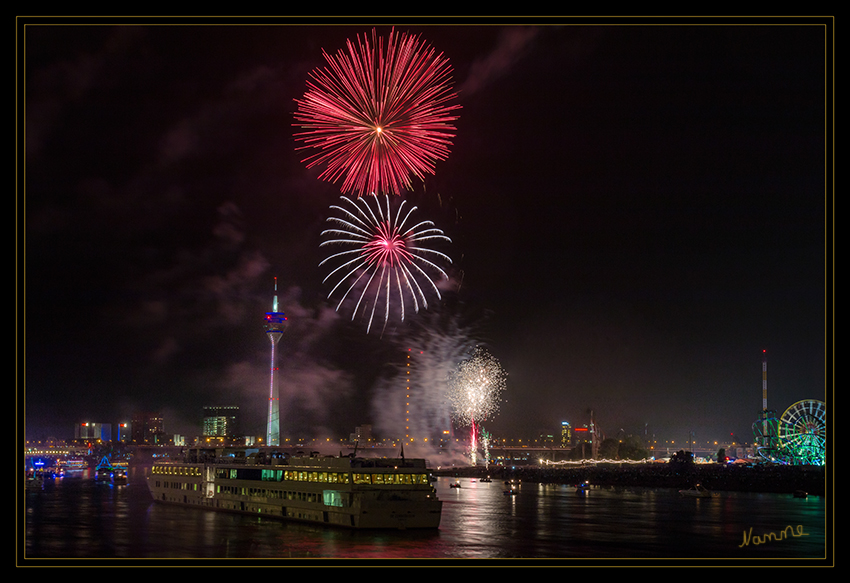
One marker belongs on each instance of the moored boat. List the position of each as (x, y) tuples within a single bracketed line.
[(346, 491), (696, 491), (34, 481), (119, 475)]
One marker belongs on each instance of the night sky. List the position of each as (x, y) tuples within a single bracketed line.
[(636, 211)]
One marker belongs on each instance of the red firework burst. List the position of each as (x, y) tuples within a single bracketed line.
[(378, 116)]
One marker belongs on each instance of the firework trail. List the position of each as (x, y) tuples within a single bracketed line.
[(485, 444), (384, 258), (377, 116)]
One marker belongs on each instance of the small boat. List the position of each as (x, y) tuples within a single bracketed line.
[(103, 470), (696, 491), (34, 481), (119, 476), (800, 494), (582, 488)]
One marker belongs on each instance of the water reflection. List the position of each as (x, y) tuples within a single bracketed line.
[(81, 517)]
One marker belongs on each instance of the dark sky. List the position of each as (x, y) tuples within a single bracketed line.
[(636, 213)]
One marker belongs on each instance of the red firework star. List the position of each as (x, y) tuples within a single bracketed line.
[(377, 116)]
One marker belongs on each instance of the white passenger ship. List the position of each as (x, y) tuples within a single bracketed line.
[(347, 491)]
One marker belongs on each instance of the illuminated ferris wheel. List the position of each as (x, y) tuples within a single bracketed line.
[(801, 432)]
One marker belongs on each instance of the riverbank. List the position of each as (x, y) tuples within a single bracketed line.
[(738, 478)]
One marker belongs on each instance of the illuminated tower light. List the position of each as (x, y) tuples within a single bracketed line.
[(275, 324), (407, 397), (764, 391), (408, 403)]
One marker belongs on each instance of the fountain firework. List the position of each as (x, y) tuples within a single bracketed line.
[(475, 388)]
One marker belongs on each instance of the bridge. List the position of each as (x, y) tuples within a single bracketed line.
[(455, 455)]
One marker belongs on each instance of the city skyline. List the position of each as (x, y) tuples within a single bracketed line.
[(635, 214)]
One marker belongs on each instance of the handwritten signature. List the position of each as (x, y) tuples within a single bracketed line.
[(772, 536)]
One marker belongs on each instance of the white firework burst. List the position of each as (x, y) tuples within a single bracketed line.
[(384, 260), (475, 387)]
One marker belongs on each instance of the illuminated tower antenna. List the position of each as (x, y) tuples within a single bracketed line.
[(764, 390), (407, 398), (275, 324)]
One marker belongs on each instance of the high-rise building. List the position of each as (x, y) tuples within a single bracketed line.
[(362, 434), (275, 324), (221, 422), (88, 431), (148, 428), (124, 432), (566, 434)]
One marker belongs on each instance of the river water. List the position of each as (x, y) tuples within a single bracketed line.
[(79, 520)]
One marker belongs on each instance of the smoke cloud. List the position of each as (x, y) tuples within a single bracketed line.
[(514, 44)]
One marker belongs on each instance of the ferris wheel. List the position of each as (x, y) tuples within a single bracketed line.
[(801, 432)]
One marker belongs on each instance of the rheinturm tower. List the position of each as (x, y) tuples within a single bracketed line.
[(275, 324)]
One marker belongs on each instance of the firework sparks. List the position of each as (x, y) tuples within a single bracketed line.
[(377, 116), (384, 258), (475, 387)]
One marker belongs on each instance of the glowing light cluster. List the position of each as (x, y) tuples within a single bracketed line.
[(384, 259), (378, 114), (475, 387)]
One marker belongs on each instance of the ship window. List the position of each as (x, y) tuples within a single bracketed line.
[(272, 475), (332, 498)]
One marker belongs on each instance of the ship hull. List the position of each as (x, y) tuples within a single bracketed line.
[(339, 492)]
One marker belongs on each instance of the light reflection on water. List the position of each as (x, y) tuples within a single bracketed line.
[(79, 517)]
